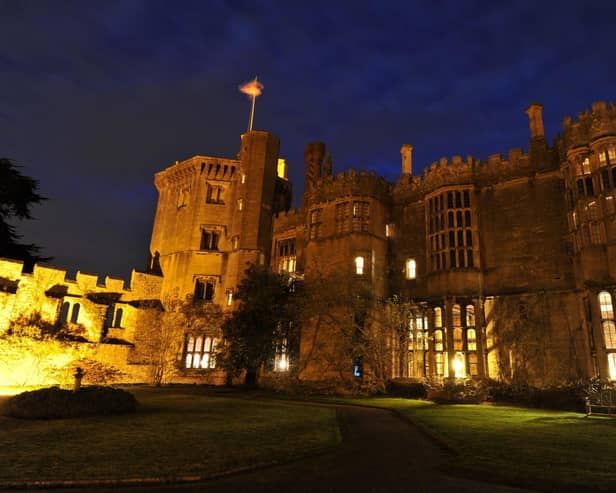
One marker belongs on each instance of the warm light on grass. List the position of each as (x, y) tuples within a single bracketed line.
[(176, 431), (530, 447)]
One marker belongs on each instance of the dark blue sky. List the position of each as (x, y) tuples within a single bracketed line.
[(96, 96)]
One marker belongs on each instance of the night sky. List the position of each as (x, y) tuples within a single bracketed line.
[(97, 96)]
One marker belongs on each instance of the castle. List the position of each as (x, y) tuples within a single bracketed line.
[(507, 262)]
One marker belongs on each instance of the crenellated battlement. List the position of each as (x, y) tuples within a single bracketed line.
[(457, 171), (43, 277), (288, 220), (184, 172), (591, 125), (351, 182)]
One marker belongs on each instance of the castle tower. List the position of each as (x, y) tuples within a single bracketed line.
[(214, 216)]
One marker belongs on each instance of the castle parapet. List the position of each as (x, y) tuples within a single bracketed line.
[(353, 182), (590, 125), (288, 220)]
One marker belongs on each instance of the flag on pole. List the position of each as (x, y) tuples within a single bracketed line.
[(252, 88)]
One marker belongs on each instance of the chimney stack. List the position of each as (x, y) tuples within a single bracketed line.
[(535, 120), (406, 151)]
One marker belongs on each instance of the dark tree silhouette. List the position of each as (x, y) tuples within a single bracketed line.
[(251, 332), (18, 193)]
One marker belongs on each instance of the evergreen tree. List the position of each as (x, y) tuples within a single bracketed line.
[(267, 305), (18, 193)]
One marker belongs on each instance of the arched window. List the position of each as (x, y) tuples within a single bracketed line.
[(411, 268), (456, 316), (457, 339), (75, 314), (471, 339), (190, 346), (609, 330), (470, 316), (64, 312), (201, 352), (359, 265), (118, 318), (438, 340), (438, 317)]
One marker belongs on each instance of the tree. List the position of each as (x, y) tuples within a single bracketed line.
[(18, 193), (265, 317)]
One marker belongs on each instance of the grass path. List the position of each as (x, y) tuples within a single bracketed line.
[(175, 432)]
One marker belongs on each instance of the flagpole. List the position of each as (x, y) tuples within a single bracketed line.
[(252, 113), (253, 89)]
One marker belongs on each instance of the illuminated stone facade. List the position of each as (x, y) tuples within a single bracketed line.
[(508, 263)]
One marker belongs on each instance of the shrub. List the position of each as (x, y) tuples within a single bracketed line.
[(406, 387), (56, 403), (468, 392), (566, 397)]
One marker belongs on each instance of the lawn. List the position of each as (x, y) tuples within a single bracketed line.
[(549, 450), (176, 432)]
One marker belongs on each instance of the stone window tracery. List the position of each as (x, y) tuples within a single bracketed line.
[(450, 237), (608, 326), (200, 352), (287, 261)]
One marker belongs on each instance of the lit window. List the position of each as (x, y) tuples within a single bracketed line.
[(438, 359), (229, 297), (470, 316), (472, 364), (243, 178), (240, 204), (605, 304), (438, 317), (459, 365), (411, 268), (281, 358), (235, 242), (286, 256), (471, 339), (586, 166), (456, 315), (609, 333), (438, 340), (457, 339), (359, 265), (611, 155), (200, 352), (611, 360), (389, 230), (602, 158)]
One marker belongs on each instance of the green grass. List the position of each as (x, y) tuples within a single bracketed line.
[(531, 447), (175, 432)]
